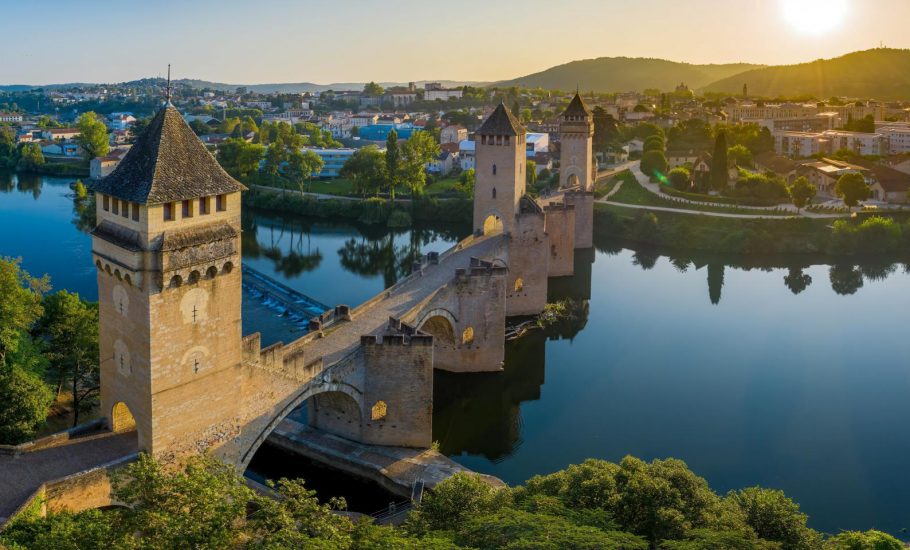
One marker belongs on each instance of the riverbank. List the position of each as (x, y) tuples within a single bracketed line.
[(367, 211), (755, 236)]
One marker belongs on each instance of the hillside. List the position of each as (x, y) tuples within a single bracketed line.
[(621, 74), (879, 73)]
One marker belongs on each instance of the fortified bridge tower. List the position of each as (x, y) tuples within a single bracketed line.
[(167, 249)]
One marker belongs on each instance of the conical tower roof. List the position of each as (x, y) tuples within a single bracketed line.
[(168, 163), (501, 122), (577, 108)]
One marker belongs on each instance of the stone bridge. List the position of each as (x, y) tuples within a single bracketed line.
[(176, 369)]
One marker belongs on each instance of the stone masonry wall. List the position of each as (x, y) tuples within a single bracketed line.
[(561, 231), (526, 288)]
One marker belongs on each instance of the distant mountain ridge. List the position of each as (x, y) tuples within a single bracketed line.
[(880, 73), (623, 74), (280, 87)]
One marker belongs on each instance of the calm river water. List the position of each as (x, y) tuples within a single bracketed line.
[(724, 367)]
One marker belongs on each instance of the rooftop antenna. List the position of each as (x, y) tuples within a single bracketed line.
[(167, 92)]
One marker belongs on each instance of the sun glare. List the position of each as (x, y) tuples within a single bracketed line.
[(814, 16)]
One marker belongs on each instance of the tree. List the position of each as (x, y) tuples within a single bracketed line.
[(454, 501), (26, 399), (30, 156), (302, 165), (654, 164), (852, 188), (654, 143), (416, 152), (606, 130), (466, 182), (92, 137), (531, 168), (372, 89), (80, 191), (366, 168), (775, 517), (868, 540), (740, 155), (20, 306), (392, 162), (275, 156), (239, 158), (69, 327), (720, 178), (801, 193), (679, 178)]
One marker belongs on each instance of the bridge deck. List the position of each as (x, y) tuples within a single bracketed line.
[(401, 299), (22, 475)]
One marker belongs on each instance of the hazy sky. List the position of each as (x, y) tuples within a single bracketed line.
[(327, 41)]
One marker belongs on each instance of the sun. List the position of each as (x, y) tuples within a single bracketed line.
[(814, 16)]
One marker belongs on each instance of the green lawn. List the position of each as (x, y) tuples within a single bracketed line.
[(337, 186), (633, 193), (441, 186)]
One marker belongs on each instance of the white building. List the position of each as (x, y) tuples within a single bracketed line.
[(332, 160), (805, 144), (466, 151), (453, 133), (10, 117), (897, 135), (443, 94)]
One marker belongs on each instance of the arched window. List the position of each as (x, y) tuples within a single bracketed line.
[(467, 337), (519, 284), (379, 410), (211, 272), (494, 192)]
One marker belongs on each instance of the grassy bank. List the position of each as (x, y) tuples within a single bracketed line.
[(862, 236), (369, 211), (632, 192)]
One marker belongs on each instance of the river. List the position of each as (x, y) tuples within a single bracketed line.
[(728, 368)]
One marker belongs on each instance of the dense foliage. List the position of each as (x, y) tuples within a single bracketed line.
[(633, 505), (48, 348)]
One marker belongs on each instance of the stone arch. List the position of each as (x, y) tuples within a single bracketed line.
[(118, 275), (211, 272), (107, 268), (99, 265), (337, 413), (441, 328), (227, 267), (467, 336), (492, 224), (193, 278), (176, 281), (128, 279), (122, 419), (309, 390)]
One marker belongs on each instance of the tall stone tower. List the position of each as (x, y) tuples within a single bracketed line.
[(167, 249), (576, 136), (500, 164), (576, 167)]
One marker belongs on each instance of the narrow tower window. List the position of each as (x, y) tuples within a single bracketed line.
[(168, 211), (220, 203), (494, 169), (494, 192)]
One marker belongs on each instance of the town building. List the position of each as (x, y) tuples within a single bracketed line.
[(897, 135), (59, 133), (453, 133), (10, 117), (806, 144), (748, 110), (332, 160), (824, 174)]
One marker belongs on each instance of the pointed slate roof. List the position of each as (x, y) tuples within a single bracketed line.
[(501, 122), (577, 107), (167, 163)]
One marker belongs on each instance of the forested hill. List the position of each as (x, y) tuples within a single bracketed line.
[(622, 74), (880, 73)]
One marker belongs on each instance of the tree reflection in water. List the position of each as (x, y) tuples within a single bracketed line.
[(796, 280), (292, 259)]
